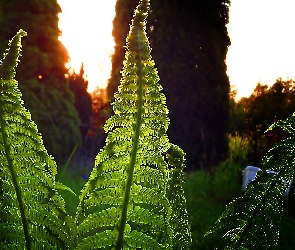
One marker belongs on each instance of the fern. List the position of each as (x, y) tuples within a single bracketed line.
[(179, 218), (128, 200), (252, 221), (32, 213), (134, 197)]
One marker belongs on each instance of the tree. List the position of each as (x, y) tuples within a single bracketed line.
[(41, 72), (237, 115), (189, 41), (78, 85), (95, 137), (265, 106)]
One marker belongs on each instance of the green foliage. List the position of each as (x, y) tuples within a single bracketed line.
[(207, 195), (189, 40), (121, 26), (253, 115), (287, 225), (75, 182), (252, 220), (239, 148), (32, 212), (134, 196), (237, 115), (175, 193), (131, 168)]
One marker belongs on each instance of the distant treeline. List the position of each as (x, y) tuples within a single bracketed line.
[(251, 117)]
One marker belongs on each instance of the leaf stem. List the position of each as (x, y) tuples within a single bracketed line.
[(15, 183), (134, 149)]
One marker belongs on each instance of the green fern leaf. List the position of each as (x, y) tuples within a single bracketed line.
[(179, 218), (126, 194), (33, 214), (252, 221)]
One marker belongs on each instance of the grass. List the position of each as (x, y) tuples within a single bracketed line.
[(75, 182), (207, 195)]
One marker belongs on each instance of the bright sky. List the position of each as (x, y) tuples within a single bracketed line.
[(262, 47), (86, 27), (262, 36)]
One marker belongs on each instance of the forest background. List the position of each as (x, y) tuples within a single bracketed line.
[(189, 40)]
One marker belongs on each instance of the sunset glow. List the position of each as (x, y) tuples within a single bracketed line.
[(261, 32), (262, 43), (86, 27)]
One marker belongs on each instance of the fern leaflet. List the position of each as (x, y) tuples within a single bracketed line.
[(32, 212), (125, 202), (252, 220)]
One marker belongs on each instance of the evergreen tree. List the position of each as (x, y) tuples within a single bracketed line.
[(78, 86), (190, 41), (95, 138), (237, 115), (41, 72)]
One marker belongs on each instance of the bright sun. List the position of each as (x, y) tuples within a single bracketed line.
[(87, 34)]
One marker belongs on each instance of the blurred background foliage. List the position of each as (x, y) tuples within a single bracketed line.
[(41, 72)]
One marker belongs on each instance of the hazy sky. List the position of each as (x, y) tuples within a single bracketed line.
[(262, 47), (262, 36), (86, 27)]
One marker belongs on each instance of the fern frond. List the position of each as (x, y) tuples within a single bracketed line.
[(29, 202), (127, 190), (252, 221), (179, 218)]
